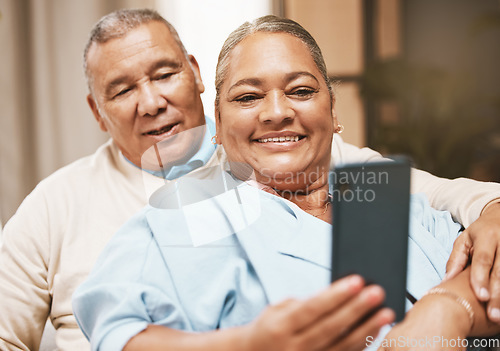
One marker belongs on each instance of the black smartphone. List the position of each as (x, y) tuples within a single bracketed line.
[(370, 204)]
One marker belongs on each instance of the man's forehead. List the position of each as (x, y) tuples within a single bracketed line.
[(145, 49), (142, 39)]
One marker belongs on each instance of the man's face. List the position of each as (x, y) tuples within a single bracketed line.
[(146, 90)]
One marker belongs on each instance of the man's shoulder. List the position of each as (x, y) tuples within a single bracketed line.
[(104, 156), (343, 152), (79, 174)]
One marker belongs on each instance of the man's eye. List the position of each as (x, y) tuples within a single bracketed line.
[(122, 92), (164, 76)]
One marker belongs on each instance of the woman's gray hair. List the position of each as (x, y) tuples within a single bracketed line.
[(119, 23), (271, 24)]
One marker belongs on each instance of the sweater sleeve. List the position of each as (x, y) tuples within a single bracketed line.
[(24, 293), (463, 198)]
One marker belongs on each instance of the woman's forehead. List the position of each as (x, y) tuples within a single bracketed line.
[(264, 52)]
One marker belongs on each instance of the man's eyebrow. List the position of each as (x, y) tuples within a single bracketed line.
[(174, 64), (289, 77)]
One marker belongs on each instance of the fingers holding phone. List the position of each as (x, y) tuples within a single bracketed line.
[(340, 317)]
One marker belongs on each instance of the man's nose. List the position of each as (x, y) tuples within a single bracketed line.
[(276, 108), (150, 100)]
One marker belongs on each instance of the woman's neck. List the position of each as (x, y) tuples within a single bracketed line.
[(314, 199)]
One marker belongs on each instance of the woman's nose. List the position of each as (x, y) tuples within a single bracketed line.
[(276, 108)]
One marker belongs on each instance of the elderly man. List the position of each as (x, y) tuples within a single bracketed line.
[(144, 88)]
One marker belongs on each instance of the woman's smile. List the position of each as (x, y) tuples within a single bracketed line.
[(280, 141)]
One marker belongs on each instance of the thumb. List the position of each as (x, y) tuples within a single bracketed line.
[(459, 256)]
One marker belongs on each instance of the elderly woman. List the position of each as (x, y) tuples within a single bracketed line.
[(248, 268)]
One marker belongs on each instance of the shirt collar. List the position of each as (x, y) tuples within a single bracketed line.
[(199, 159)]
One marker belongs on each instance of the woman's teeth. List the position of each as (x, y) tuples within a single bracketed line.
[(279, 139)]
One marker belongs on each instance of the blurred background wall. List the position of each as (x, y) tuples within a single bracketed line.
[(416, 76)]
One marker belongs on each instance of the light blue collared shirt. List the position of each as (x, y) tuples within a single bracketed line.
[(219, 262)]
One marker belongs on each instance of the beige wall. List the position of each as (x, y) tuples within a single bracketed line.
[(388, 29), (12, 167)]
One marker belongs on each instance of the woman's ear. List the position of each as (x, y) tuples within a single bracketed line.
[(337, 127), (334, 114)]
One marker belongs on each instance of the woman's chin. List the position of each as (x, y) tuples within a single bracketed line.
[(287, 177)]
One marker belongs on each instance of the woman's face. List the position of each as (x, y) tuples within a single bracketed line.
[(275, 112)]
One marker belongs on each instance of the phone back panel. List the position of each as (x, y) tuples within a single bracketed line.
[(370, 225)]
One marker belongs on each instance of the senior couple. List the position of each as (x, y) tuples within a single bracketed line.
[(151, 285)]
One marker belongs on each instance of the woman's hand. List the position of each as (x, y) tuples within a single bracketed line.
[(440, 321), (339, 318), (436, 322), (336, 319), (479, 243)]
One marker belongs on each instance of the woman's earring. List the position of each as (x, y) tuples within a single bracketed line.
[(214, 139), (339, 129)]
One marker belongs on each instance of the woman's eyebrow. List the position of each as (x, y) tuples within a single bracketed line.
[(289, 77), (256, 82), (294, 75)]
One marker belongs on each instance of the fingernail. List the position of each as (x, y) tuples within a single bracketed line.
[(450, 274), (353, 283), (387, 317), (495, 314), (373, 295), (355, 280), (483, 294)]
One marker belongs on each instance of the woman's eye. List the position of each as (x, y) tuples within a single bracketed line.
[(303, 92)]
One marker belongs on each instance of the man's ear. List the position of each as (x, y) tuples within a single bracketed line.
[(218, 129), (95, 111), (197, 75)]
